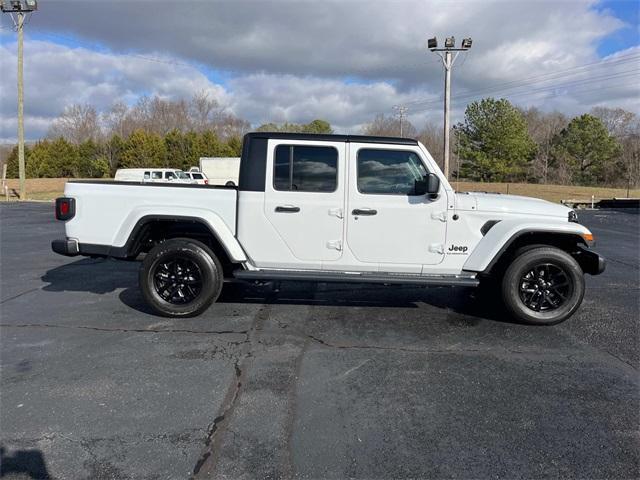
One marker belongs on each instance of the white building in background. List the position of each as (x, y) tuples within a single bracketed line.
[(220, 170)]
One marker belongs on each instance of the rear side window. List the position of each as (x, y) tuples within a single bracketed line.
[(390, 172), (305, 169), (156, 175), (196, 176)]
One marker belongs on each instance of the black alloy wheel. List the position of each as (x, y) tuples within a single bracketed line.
[(180, 277), (545, 287), (178, 280)]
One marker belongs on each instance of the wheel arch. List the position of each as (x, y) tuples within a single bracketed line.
[(154, 228), (500, 244)]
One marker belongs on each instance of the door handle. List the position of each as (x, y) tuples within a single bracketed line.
[(364, 211), (287, 209)]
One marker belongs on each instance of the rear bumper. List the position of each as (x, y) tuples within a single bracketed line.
[(591, 262), (66, 247)]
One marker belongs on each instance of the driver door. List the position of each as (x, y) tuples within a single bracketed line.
[(387, 222)]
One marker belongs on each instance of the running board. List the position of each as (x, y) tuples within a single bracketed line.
[(365, 277)]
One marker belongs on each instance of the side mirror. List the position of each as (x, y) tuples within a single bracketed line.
[(433, 184), (429, 185)]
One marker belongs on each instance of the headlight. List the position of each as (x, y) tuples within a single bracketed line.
[(573, 216)]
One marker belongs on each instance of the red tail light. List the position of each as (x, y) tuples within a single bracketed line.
[(206, 182), (65, 208)]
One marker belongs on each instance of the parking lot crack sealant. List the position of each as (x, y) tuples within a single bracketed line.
[(206, 464)]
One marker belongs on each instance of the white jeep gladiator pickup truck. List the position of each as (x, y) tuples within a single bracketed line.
[(332, 208)]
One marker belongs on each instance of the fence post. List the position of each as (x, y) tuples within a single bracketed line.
[(5, 189)]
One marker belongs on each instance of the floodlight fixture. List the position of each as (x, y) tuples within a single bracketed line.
[(449, 42), (18, 6), (432, 43), (466, 43)]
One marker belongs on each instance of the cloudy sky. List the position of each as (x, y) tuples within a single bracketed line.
[(343, 61)]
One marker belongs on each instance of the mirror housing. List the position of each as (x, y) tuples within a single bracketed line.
[(429, 185)]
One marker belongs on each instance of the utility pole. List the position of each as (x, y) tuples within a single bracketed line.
[(447, 61), (18, 9), (401, 111)]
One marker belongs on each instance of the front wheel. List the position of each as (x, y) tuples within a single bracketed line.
[(543, 286), (180, 277)]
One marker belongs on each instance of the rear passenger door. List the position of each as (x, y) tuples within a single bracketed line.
[(304, 198)]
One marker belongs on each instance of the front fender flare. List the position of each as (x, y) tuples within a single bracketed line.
[(505, 232)]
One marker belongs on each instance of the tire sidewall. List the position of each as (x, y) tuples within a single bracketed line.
[(526, 261), (210, 271)]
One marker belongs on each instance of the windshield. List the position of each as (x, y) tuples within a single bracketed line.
[(182, 175)]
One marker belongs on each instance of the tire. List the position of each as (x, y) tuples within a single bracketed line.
[(542, 286), (180, 277)]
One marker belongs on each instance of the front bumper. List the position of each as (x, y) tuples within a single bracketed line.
[(66, 247), (590, 261)]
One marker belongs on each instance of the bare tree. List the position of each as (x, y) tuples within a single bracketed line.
[(116, 120), (389, 127), (76, 124), (625, 127), (543, 127), (432, 137), (618, 121)]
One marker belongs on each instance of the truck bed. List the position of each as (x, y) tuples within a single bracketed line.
[(119, 206)]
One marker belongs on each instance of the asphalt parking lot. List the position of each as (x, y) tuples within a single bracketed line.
[(313, 381)]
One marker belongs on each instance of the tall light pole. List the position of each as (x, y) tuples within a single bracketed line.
[(18, 9), (401, 111), (447, 61)]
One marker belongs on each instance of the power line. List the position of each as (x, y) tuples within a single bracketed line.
[(627, 73), (569, 72)]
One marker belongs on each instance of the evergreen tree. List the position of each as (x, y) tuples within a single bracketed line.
[(143, 149), (494, 144), (587, 148)]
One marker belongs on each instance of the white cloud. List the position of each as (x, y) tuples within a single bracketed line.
[(290, 61)]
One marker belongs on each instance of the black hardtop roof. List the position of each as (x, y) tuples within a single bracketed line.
[(332, 138)]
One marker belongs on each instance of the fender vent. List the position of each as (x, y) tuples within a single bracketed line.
[(488, 226)]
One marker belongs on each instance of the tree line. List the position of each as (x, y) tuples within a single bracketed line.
[(499, 142), (496, 141)]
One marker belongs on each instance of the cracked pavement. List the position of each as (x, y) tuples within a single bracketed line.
[(311, 381)]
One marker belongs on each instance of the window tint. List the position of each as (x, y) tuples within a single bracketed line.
[(305, 169), (196, 176), (156, 175), (169, 175), (147, 175), (389, 171)]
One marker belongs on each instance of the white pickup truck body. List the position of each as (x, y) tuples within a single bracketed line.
[(326, 208)]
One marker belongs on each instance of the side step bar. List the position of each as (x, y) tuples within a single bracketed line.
[(340, 277)]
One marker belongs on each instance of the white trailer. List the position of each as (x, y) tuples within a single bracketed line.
[(221, 170)]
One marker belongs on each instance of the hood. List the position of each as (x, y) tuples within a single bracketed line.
[(499, 203)]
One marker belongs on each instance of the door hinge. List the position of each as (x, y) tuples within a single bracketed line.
[(336, 212), (442, 216), (436, 248), (335, 245)]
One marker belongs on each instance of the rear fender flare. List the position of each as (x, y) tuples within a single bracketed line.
[(219, 229)]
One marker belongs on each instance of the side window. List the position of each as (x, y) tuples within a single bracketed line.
[(169, 175), (392, 172), (196, 176), (147, 175), (305, 169), (156, 175)]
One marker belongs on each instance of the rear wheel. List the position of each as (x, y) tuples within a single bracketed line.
[(543, 286), (180, 277)]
